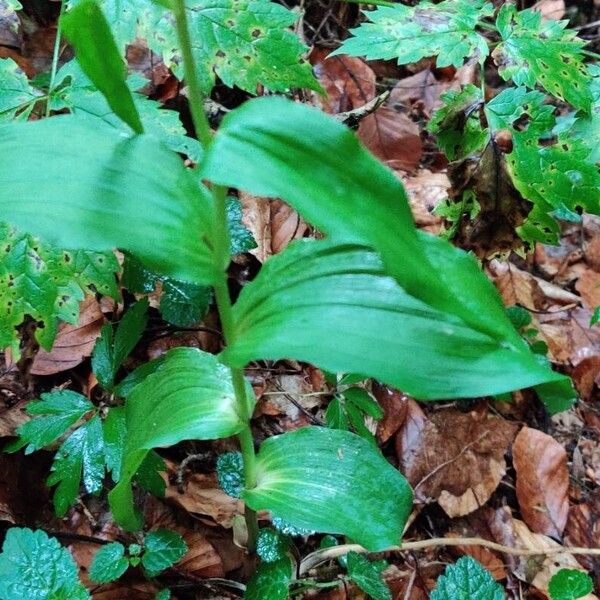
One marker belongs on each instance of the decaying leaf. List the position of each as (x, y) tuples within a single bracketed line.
[(454, 458)]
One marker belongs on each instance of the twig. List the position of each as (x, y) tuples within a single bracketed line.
[(353, 117), (320, 556)]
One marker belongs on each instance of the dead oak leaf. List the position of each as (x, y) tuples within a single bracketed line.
[(454, 458), (542, 481)]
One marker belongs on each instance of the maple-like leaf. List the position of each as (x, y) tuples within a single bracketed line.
[(535, 51), (410, 33), (17, 96), (47, 284)]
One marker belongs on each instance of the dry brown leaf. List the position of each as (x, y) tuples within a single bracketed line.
[(592, 253), (121, 590), (542, 481), (586, 376), (395, 410), (552, 10), (201, 559), (74, 343), (286, 225), (425, 191), (491, 561), (588, 285), (11, 417), (455, 458), (257, 218)]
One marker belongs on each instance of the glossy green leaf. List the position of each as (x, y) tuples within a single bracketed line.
[(409, 33), (367, 576), (162, 549), (230, 473), (271, 545), (163, 595), (467, 580), (188, 397), (333, 305), (101, 200), (79, 458), (270, 581), (336, 416), (240, 236), (37, 567), (364, 401), (114, 431), (47, 283), (595, 318), (542, 51), (55, 413), (318, 166), (109, 563), (17, 96), (88, 31), (334, 482), (148, 476), (570, 584)]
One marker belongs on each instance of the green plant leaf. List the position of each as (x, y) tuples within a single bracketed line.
[(271, 545), (364, 401), (148, 475), (109, 563), (188, 396), (542, 51), (114, 431), (37, 567), (270, 581), (367, 576), (88, 31), (318, 166), (17, 96), (81, 456), (230, 473), (56, 412), (47, 284), (570, 584), (240, 236), (162, 549), (288, 529), (336, 416), (409, 33), (467, 580), (333, 305), (163, 595), (334, 482), (101, 200), (595, 318), (111, 350)]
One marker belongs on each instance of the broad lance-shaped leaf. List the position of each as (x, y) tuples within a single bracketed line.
[(86, 28), (334, 306), (410, 33), (318, 166), (332, 481), (542, 51), (188, 397), (81, 185)]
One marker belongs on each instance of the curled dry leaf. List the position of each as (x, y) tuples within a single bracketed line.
[(542, 481), (74, 343), (454, 458), (256, 217), (395, 410)]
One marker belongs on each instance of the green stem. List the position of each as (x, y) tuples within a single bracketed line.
[(221, 253), (373, 2), (591, 54), (55, 56)]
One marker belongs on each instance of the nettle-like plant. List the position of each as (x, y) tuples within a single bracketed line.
[(375, 297)]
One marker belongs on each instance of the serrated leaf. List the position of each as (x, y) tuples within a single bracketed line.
[(37, 567), (230, 473), (46, 283), (333, 305), (288, 529), (542, 51), (189, 396), (101, 200), (79, 458), (409, 33), (162, 549), (109, 563), (334, 482), (241, 237), (113, 431), (466, 580), (270, 581), (367, 577), (17, 96), (457, 125), (88, 31), (163, 595), (55, 413), (570, 584), (271, 545)]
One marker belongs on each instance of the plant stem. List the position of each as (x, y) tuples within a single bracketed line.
[(221, 253), (373, 2), (55, 56)]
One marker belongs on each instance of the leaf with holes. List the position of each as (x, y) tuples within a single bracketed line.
[(409, 33), (467, 580), (37, 567), (542, 51), (48, 284), (17, 96)]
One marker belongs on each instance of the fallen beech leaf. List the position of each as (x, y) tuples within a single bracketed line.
[(74, 343), (542, 481), (586, 376), (201, 559), (486, 557), (583, 530), (455, 458), (286, 225)]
